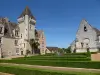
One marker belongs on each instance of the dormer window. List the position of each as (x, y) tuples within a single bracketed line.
[(85, 29), (16, 32)]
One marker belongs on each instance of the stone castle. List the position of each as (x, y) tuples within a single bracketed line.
[(21, 38)]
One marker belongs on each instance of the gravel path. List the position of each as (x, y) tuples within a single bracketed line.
[(5, 73), (65, 69)]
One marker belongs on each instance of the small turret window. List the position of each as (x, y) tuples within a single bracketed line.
[(0, 39), (30, 27), (21, 35), (85, 28), (16, 42)]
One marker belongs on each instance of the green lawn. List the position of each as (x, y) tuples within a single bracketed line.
[(32, 71), (69, 60), (79, 60), (78, 64)]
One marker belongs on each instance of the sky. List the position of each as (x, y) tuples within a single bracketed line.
[(59, 19)]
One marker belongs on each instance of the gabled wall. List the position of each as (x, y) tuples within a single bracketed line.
[(84, 36)]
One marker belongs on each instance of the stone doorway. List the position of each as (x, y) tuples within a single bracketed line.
[(21, 52)]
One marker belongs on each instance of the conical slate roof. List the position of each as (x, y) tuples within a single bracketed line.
[(27, 12)]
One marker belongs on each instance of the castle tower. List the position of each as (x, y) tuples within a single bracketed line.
[(26, 22)]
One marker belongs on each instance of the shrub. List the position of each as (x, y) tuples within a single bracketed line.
[(49, 54), (56, 59), (24, 71), (68, 50), (88, 53), (79, 64)]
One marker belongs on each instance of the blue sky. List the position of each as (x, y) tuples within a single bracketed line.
[(59, 19)]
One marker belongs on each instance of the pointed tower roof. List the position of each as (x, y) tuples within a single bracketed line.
[(27, 12)]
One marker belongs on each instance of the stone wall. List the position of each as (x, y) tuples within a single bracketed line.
[(95, 57), (8, 47)]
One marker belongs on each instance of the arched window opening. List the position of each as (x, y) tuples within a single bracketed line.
[(85, 28)]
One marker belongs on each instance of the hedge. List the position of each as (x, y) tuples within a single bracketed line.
[(67, 54), (56, 59), (23, 71), (78, 64), (75, 54), (52, 57), (32, 71)]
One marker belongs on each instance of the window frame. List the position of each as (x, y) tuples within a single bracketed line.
[(16, 42), (85, 28), (17, 50), (16, 33), (0, 40)]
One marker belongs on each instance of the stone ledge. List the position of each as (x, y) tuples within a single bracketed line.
[(95, 57)]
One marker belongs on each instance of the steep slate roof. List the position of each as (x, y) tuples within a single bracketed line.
[(73, 43), (39, 33), (3, 20), (52, 48), (97, 31), (27, 12), (13, 26), (9, 26)]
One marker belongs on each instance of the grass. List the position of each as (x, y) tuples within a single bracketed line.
[(77, 60), (70, 60), (17, 70), (78, 64)]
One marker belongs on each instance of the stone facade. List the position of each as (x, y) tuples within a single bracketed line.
[(17, 39), (42, 41), (87, 37)]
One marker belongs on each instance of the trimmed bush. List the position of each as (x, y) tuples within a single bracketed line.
[(23, 71), (56, 59), (78, 64), (88, 53), (30, 71), (49, 54), (66, 54)]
